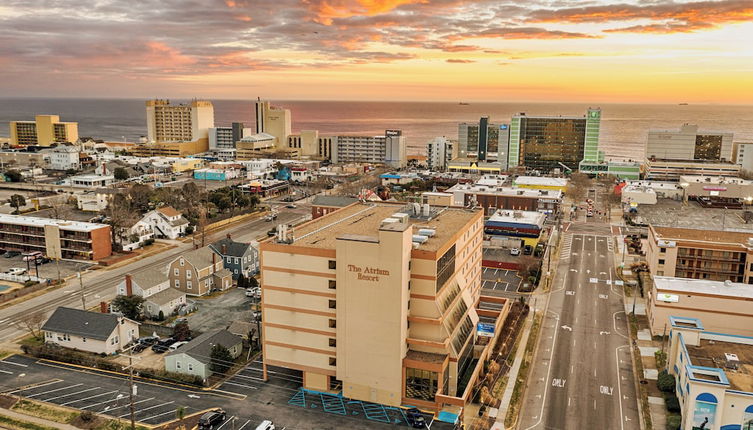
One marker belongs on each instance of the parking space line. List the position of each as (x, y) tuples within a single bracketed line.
[(146, 409), (165, 413), (69, 394), (44, 384), (87, 398), (15, 364), (109, 409), (52, 391), (244, 425), (226, 421), (102, 403), (6, 372), (248, 377), (241, 385)]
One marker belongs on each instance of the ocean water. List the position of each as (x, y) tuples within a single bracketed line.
[(624, 127)]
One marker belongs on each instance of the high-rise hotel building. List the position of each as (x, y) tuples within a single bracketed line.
[(381, 302), (44, 130), (177, 130), (484, 140), (545, 143)]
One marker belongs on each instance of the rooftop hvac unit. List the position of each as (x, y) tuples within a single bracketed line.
[(427, 210), (520, 192), (428, 232), (416, 209), (402, 217), (417, 238), (517, 215), (731, 360), (390, 220), (727, 283)]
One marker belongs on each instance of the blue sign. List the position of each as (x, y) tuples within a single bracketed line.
[(485, 329), (503, 127)]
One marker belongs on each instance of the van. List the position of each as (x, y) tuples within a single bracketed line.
[(266, 425), (176, 345)]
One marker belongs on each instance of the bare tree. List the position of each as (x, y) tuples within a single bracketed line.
[(60, 208), (32, 323)]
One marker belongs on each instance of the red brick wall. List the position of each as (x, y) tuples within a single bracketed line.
[(101, 243)]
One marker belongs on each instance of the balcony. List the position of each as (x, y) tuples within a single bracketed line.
[(711, 257)]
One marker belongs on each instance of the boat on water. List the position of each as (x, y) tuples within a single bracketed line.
[(683, 104), (463, 104)]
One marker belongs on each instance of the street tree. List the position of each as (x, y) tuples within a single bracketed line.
[(13, 176), (181, 331), (32, 323), (220, 359), (16, 201), (129, 306), (120, 173)]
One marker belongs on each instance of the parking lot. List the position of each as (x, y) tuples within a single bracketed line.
[(48, 270), (500, 280), (218, 311)]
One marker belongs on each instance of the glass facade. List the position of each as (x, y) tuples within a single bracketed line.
[(708, 147), (546, 142), (422, 384)]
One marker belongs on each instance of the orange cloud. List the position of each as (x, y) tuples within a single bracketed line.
[(327, 10), (459, 60)]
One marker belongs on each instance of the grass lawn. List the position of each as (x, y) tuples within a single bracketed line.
[(15, 424), (48, 412)]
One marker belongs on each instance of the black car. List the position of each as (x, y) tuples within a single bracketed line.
[(415, 418), (272, 232), (11, 254), (211, 419), (163, 345), (527, 250)]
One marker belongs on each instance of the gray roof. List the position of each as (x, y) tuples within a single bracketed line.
[(200, 258), (201, 348), (241, 328), (335, 201), (223, 273), (81, 323), (165, 296), (232, 248), (147, 278)]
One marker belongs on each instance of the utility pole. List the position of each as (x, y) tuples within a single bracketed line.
[(81, 284), (131, 390)]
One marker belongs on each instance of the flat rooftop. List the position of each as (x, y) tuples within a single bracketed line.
[(673, 213), (716, 236), (540, 180), (716, 180), (505, 191), (711, 354), (657, 185), (41, 222), (703, 286), (518, 217), (365, 219)]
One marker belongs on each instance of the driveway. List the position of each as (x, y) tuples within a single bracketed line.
[(220, 310)]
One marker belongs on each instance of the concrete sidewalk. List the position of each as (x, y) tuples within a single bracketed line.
[(513, 374)]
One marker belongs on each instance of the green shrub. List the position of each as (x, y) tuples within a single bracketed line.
[(674, 422), (666, 382), (673, 403), (661, 359)]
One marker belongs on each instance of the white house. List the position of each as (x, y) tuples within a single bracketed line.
[(64, 157), (92, 201), (154, 286), (166, 222), (193, 358), (89, 331)]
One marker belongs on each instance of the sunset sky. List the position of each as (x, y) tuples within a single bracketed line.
[(533, 50)]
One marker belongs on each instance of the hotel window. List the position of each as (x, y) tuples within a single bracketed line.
[(332, 284), (332, 264), (333, 304), (332, 342), (662, 250), (332, 361), (661, 261), (332, 323)]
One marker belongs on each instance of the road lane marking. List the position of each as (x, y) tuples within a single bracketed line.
[(118, 397), (225, 423), (619, 389), (15, 364), (27, 388), (241, 385), (549, 372)]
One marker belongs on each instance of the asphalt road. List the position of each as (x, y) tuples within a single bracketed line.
[(100, 285), (582, 377)]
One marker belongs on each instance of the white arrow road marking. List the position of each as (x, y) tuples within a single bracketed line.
[(567, 327)]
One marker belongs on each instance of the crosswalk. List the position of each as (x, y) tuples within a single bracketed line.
[(567, 245), (610, 243)]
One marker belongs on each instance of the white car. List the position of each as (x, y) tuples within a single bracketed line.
[(176, 345), (514, 251), (253, 292), (16, 271)]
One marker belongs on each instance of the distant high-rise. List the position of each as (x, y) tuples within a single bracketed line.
[(484, 140), (44, 130), (389, 149), (275, 121), (688, 143), (226, 137), (546, 143), (439, 151), (185, 122)]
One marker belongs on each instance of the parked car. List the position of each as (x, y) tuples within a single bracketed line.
[(415, 418), (177, 345), (266, 425), (253, 292), (256, 315), (212, 419), (527, 250), (270, 217), (272, 232), (291, 206), (43, 260), (16, 271), (163, 345), (31, 256), (11, 254), (514, 251), (148, 340), (3, 251)]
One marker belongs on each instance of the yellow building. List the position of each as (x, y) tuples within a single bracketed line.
[(170, 149), (176, 130), (381, 302), (187, 164), (274, 121), (44, 130)]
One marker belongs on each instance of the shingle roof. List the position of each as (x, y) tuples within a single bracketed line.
[(233, 248), (81, 323), (168, 211), (241, 328), (334, 201), (147, 278), (201, 348), (200, 258), (165, 296)]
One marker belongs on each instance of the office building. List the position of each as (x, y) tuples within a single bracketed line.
[(381, 302), (388, 149), (274, 121), (547, 143), (493, 197), (439, 152), (70, 240), (743, 155), (44, 130), (700, 254), (225, 137), (176, 129), (656, 169), (484, 141), (253, 145), (723, 305), (688, 143), (541, 183), (310, 144), (526, 226), (713, 374), (716, 188)]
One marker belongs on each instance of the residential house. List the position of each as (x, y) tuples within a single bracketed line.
[(89, 331), (194, 358), (198, 272), (154, 286), (166, 222), (64, 157), (322, 205), (94, 200), (237, 257)]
